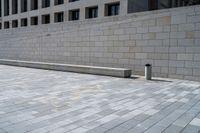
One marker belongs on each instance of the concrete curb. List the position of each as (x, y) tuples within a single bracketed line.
[(107, 71)]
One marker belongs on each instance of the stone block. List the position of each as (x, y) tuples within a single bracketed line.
[(193, 19), (155, 29), (166, 20), (197, 57), (161, 63), (177, 49), (142, 30), (162, 35), (178, 19), (196, 72), (177, 35), (150, 36), (161, 49), (140, 55), (197, 26), (190, 35), (155, 42), (185, 57), (176, 63), (187, 27)]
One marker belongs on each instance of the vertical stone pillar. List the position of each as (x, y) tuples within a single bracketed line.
[(66, 13), (39, 16), (39, 4), (51, 11), (101, 11), (10, 7), (82, 13), (123, 7), (18, 6), (28, 5), (28, 9), (2, 13), (19, 11)]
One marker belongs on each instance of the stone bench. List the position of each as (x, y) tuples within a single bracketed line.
[(107, 71)]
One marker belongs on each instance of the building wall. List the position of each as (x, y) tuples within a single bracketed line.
[(168, 39)]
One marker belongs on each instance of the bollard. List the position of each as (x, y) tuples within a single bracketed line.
[(148, 72)]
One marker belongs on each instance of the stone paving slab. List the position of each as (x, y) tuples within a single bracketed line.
[(44, 101)]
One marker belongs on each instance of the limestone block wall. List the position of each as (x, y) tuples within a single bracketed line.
[(168, 39)]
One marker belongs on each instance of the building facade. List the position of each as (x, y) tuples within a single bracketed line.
[(112, 33), (22, 13)]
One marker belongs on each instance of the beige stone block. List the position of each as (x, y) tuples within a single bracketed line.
[(190, 34), (151, 36), (166, 20)]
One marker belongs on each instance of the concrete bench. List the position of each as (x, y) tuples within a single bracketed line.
[(107, 71)]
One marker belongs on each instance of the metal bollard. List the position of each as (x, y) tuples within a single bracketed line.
[(148, 72)]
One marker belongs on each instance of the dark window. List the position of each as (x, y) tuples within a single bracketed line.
[(59, 17), (46, 19), (58, 2), (34, 20), (6, 7), (24, 22), (112, 9), (14, 24), (73, 0), (0, 26), (34, 4), (23, 5), (0, 8), (92, 12), (6, 25), (147, 5), (74, 15), (45, 3), (14, 6)]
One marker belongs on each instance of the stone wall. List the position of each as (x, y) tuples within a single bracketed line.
[(168, 39)]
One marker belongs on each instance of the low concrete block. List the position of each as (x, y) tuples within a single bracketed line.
[(107, 71)]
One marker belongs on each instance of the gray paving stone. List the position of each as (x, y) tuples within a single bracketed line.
[(191, 129), (173, 129), (33, 100)]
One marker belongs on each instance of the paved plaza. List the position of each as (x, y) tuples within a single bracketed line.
[(42, 101)]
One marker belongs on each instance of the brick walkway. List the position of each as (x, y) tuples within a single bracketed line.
[(40, 101)]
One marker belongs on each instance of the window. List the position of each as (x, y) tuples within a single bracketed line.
[(34, 20), (46, 19), (59, 17), (91, 12), (6, 7), (6, 25), (24, 22), (14, 24), (58, 2), (14, 6), (0, 26), (112, 9), (45, 3), (0, 8), (34, 4), (73, 0), (146, 5), (74, 15), (23, 5)]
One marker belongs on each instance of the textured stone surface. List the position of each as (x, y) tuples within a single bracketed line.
[(42, 101), (168, 39)]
